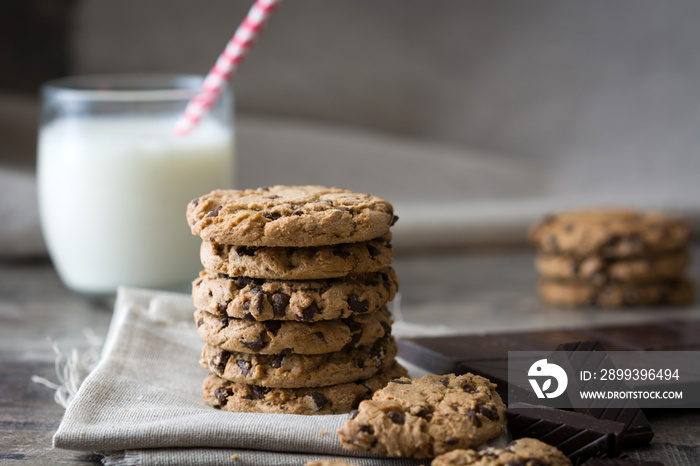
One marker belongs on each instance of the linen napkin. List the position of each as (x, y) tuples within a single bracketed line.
[(142, 404)]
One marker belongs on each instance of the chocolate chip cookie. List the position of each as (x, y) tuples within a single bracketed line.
[(296, 216), (610, 233), (277, 336), (576, 293), (599, 270), (301, 300), (332, 399), (298, 263), (521, 452), (289, 370), (426, 417)]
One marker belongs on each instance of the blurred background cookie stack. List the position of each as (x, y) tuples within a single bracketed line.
[(613, 258), (292, 301)]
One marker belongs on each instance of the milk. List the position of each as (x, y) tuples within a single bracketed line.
[(113, 192)]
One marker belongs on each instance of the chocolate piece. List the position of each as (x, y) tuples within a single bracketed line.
[(457, 354), (356, 305), (668, 335), (578, 436), (256, 345), (638, 429)]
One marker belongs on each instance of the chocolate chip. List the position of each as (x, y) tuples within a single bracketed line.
[(344, 209), (200, 322), (471, 414), (222, 395), (354, 413), (569, 227), (272, 326), (354, 339), (256, 345), (401, 382), (260, 294), (194, 202), (576, 266), (221, 250), (353, 325), (224, 321), (308, 312), (246, 305), (373, 252), (246, 250), (520, 463), (214, 212), (272, 215), (552, 243), (297, 213), (279, 304), (219, 361), (396, 417), (260, 392), (356, 305), (386, 282), (490, 413), (394, 219), (423, 412), (451, 441), (386, 327), (320, 336), (366, 428), (377, 351), (223, 275), (242, 282), (245, 366), (277, 360), (319, 400), (273, 196), (337, 252), (468, 388), (445, 381)]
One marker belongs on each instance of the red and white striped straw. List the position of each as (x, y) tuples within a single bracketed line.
[(226, 64)]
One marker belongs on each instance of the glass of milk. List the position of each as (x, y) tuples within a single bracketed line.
[(114, 181)]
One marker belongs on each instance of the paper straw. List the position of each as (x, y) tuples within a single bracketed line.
[(226, 65)]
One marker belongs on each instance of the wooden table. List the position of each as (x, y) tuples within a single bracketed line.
[(468, 291)]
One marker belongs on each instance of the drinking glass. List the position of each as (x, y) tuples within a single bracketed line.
[(114, 180)]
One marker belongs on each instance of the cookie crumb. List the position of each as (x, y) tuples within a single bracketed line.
[(234, 457), (322, 432)]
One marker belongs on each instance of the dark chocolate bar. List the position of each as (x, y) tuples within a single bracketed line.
[(579, 436), (445, 354), (638, 429)]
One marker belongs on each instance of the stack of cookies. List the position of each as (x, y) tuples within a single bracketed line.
[(613, 258), (292, 301)]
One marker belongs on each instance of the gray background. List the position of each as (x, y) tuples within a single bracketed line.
[(540, 105)]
